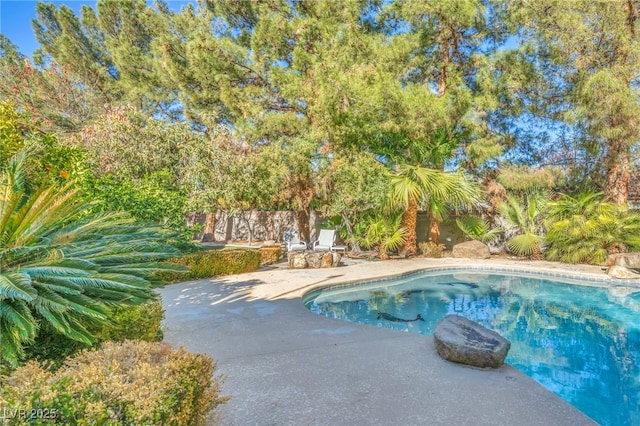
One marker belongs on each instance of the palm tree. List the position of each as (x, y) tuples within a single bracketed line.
[(477, 228), (384, 233), (65, 268), (584, 229), (442, 190), (526, 217)]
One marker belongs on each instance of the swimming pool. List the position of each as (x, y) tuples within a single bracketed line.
[(581, 342)]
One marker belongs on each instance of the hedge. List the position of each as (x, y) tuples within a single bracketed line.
[(206, 264), (126, 383), (270, 255)]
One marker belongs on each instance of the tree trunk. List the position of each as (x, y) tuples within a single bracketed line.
[(409, 220), (434, 228), (355, 247), (383, 252), (619, 172), (302, 216), (271, 226), (249, 227), (209, 232), (444, 69)]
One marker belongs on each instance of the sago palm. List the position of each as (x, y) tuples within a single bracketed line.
[(64, 269), (411, 185), (526, 217)]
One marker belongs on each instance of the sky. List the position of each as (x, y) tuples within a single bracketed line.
[(16, 17)]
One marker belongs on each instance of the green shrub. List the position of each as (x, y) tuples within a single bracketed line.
[(121, 383), (206, 264), (134, 323), (140, 322), (270, 255), (153, 198)]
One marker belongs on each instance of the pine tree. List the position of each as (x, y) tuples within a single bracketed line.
[(585, 54)]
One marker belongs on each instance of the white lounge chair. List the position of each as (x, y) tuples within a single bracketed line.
[(326, 240), (292, 238)]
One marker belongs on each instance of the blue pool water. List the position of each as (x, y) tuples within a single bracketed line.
[(581, 342)]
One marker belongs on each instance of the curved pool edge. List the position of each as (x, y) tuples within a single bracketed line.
[(543, 269)]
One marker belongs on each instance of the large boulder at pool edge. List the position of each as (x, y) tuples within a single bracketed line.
[(463, 341), (471, 250)]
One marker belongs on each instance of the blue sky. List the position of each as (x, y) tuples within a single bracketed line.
[(16, 17)]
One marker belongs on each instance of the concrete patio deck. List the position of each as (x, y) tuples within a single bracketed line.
[(288, 366)]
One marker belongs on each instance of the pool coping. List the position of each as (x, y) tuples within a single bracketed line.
[(586, 279)]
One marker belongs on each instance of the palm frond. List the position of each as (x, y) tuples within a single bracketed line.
[(524, 244), (476, 228), (53, 298), (16, 285), (16, 315), (54, 270), (115, 298), (414, 183)]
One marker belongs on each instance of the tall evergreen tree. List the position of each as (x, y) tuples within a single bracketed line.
[(586, 55)]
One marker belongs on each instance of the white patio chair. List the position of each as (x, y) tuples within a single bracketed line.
[(326, 240), (292, 238)]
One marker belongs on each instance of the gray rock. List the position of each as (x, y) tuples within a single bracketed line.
[(626, 260), (616, 271), (463, 341), (471, 250)]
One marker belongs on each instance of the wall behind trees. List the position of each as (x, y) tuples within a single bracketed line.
[(266, 225), (270, 225)]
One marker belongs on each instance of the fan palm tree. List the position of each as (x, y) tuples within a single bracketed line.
[(442, 190), (526, 217), (384, 233), (584, 229), (64, 267), (477, 228)]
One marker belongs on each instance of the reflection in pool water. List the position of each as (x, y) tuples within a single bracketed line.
[(583, 343)]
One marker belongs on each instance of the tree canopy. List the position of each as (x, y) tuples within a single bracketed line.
[(256, 104)]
